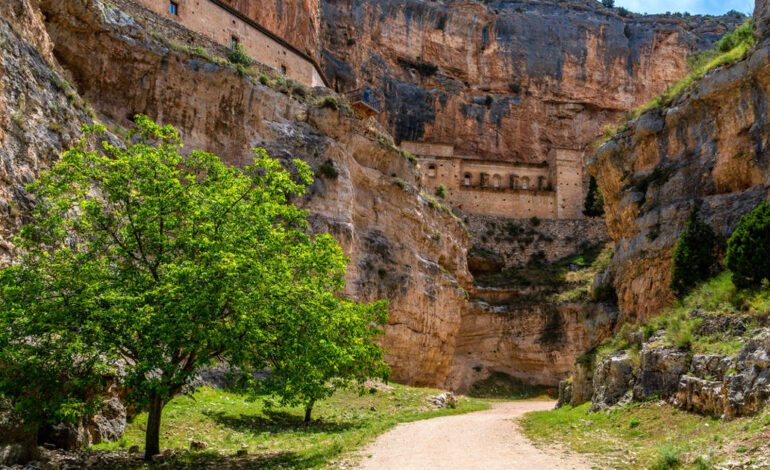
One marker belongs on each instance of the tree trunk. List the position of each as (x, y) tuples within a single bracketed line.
[(309, 411), (152, 437)]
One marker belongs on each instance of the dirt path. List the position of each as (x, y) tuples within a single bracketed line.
[(486, 440)]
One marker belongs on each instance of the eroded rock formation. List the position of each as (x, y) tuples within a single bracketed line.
[(507, 80), (709, 149)]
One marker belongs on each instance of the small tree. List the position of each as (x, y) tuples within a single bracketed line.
[(695, 254), (748, 249), (161, 261), (608, 3), (238, 56), (441, 191), (594, 202)]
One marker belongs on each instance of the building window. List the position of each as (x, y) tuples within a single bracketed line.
[(234, 41), (432, 170), (283, 69), (484, 180), (173, 8), (496, 181), (467, 179), (541, 183), (525, 182), (514, 182)]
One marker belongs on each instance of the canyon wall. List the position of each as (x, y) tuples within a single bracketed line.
[(507, 80), (708, 149)]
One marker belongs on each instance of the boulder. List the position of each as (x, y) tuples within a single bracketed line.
[(17, 444), (748, 391), (711, 366), (701, 396), (661, 369), (613, 380)]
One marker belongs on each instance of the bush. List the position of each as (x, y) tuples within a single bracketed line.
[(441, 191), (669, 458), (748, 250), (329, 170), (238, 56), (695, 255), (329, 102), (608, 3), (743, 34), (594, 202)]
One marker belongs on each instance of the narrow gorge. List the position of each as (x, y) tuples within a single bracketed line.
[(456, 147)]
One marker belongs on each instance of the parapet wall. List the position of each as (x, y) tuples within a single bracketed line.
[(222, 24)]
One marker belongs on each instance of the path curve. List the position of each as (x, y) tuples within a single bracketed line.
[(487, 440)]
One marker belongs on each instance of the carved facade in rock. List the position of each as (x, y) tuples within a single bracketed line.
[(501, 188)]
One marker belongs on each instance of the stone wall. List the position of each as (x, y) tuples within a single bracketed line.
[(504, 189), (212, 20)]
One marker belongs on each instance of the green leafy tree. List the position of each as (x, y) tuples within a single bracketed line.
[(594, 202), (748, 249), (695, 254), (158, 261), (608, 3)]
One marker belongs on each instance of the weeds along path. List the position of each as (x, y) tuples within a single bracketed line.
[(486, 440)]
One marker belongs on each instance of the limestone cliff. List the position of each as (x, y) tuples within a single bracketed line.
[(507, 80), (709, 149), (371, 202)]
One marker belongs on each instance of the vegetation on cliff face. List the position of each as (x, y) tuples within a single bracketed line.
[(695, 254), (154, 264), (732, 48), (748, 250)]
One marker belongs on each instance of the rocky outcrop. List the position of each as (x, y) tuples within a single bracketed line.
[(613, 380), (716, 385), (507, 80), (708, 149), (660, 371)]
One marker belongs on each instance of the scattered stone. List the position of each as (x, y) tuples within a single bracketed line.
[(444, 400), (198, 445)]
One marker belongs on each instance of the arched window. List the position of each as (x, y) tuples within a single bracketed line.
[(515, 182), (525, 182), (496, 181), (467, 179), (432, 170), (541, 183), (484, 180)]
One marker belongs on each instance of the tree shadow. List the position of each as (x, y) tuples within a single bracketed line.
[(276, 421), (208, 460)]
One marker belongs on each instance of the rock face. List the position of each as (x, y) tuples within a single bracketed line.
[(709, 149), (372, 204), (506, 80), (613, 381), (39, 112), (709, 384)]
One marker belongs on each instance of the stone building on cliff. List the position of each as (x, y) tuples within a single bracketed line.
[(227, 25), (552, 189)]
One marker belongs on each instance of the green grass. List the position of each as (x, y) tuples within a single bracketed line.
[(229, 422), (718, 296), (650, 435)]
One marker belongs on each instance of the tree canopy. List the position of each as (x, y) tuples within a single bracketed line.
[(162, 262)]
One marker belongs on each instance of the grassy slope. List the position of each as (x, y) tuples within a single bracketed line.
[(228, 422), (643, 435), (646, 435), (716, 297)]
